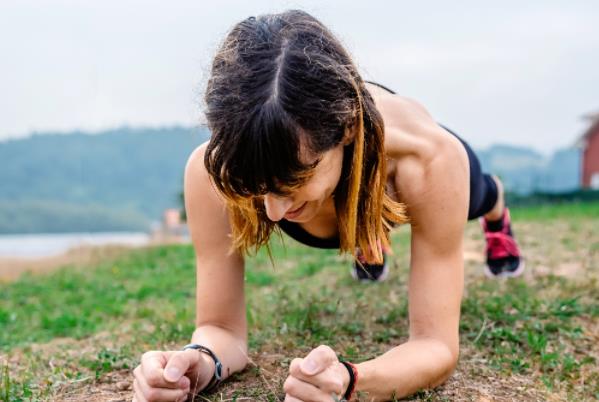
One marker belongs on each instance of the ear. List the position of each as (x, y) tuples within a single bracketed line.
[(349, 136)]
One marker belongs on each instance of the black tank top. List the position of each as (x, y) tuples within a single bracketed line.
[(298, 233)]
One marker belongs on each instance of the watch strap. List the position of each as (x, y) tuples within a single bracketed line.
[(217, 377)]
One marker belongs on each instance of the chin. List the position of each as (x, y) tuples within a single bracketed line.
[(299, 219), (307, 214)]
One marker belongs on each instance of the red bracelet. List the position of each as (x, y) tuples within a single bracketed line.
[(353, 380)]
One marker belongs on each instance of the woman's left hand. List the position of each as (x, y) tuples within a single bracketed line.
[(317, 377)]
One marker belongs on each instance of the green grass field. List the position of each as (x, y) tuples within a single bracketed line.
[(76, 333)]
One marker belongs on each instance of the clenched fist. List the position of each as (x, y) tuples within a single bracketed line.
[(171, 375), (317, 377)]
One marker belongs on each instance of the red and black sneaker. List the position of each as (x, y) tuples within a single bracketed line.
[(503, 255), (364, 272)]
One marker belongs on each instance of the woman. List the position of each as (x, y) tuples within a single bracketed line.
[(301, 143)]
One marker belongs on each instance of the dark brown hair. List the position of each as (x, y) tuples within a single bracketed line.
[(278, 81)]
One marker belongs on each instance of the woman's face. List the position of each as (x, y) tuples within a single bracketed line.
[(303, 203)]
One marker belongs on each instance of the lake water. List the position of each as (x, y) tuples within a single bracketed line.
[(50, 244)]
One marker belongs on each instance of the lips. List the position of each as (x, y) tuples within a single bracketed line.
[(296, 212)]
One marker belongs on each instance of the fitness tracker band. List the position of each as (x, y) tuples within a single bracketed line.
[(218, 371)]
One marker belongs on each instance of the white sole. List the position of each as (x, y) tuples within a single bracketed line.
[(381, 278), (513, 274)]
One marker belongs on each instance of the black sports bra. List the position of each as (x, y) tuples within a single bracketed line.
[(298, 233)]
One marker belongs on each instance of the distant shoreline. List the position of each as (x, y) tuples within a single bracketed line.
[(41, 245), (87, 251)]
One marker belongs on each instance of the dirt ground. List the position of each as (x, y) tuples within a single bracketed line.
[(472, 381)]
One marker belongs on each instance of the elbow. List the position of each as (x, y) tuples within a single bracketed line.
[(448, 370), (448, 356)]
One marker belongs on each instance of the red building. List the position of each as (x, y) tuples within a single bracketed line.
[(590, 153)]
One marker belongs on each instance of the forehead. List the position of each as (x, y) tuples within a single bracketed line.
[(306, 154)]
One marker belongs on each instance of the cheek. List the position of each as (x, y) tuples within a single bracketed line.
[(312, 192), (324, 181), (319, 189)]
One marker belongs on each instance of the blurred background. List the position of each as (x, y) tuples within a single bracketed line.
[(101, 105), (100, 102)]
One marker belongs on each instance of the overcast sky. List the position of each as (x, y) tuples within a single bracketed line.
[(510, 72)]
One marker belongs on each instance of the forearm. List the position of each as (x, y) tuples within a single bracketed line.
[(405, 369), (226, 345)]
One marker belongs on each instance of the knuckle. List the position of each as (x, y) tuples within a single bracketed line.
[(330, 384), (191, 353), (183, 396), (185, 382), (147, 355), (295, 365), (289, 385), (153, 380), (178, 356), (325, 349), (152, 395), (336, 386), (136, 390)]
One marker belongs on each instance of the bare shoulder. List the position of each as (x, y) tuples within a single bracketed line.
[(198, 187), (431, 169), (195, 162), (414, 142), (198, 183), (207, 217), (443, 169), (436, 192), (399, 112)]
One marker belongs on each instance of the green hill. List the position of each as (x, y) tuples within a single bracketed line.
[(524, 171), (115, 180), (122, 179)]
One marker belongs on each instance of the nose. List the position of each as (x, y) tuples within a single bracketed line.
[(276, 207)]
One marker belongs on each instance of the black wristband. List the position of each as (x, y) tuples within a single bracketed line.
[(218, 371), (352, 381)]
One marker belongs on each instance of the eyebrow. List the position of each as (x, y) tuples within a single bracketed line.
[(315, 162)]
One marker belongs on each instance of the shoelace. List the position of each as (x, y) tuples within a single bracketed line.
[(501, 245), (362, 258)]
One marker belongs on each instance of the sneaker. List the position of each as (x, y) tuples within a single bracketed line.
[(363, 272), (503, 255)]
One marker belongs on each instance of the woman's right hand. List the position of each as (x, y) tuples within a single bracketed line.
[(170, 375)]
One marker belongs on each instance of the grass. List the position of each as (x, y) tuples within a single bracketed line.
[(78, 332), (576, 211)]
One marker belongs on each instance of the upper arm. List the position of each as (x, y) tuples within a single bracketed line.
[(437, 194), (219, 272)]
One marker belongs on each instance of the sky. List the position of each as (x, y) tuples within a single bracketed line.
[(521, 73)]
